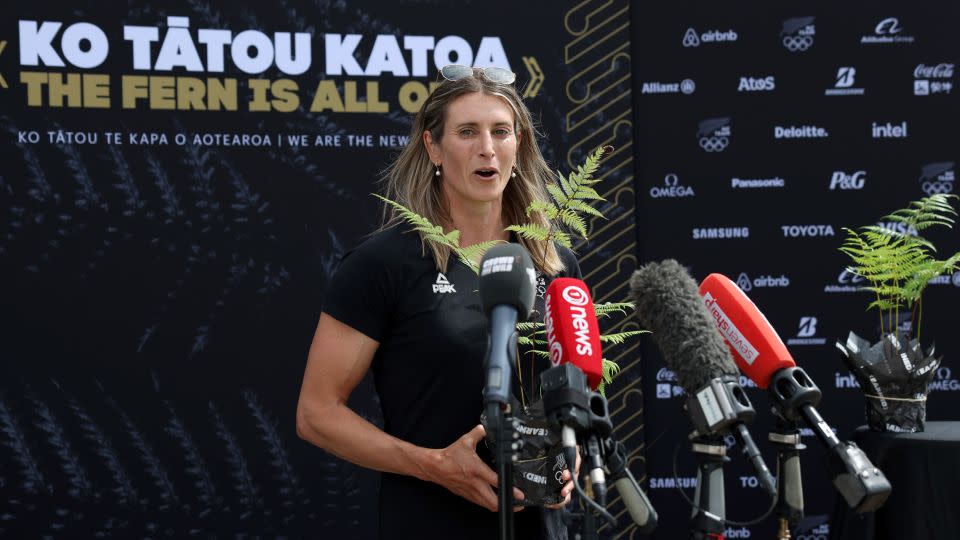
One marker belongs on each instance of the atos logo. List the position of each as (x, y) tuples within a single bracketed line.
[(758, 84)]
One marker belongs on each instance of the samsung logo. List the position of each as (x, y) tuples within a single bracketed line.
[(715, 233)]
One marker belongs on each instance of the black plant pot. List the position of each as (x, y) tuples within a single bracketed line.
[(893, 374)]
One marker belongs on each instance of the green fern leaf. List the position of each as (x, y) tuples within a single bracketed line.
[(621, 337)]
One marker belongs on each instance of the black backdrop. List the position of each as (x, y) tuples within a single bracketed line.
[(160, 296)]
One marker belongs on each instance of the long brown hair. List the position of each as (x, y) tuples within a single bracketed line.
[(411, 181)]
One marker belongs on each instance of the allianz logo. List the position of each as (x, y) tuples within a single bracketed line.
[(847, 281), (671, 188), (686, 482), (806, 231), (757, 84), (686, 87), (946, 280), (842, 180), (746, 284)]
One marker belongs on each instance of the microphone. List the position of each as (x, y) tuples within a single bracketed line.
[(573, 339), (570, 400), (668, 303), (762, 356), (507, 288), (573, 334)]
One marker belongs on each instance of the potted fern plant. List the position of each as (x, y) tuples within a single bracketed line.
[(898, 265)]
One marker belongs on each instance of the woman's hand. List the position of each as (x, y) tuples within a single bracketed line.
[(567, 488), (459, 469)]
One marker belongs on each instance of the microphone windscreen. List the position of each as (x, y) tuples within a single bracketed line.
[(507, 277), (669, 305), (755, 345), (573, 334)]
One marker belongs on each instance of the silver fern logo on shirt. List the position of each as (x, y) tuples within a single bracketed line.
[(443, 285)]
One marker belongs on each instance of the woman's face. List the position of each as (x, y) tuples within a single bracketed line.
[(478, 148)]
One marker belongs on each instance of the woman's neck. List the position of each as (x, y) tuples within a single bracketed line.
[(477, 223)]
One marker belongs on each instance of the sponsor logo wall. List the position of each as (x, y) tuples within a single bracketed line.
[(805, 125)]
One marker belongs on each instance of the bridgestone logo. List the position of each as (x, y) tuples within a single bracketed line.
[(729, 331), (717, 233)]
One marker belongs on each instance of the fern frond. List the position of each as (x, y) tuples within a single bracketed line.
[(621, 337), (530, 231), (607, 308), (529, 326), (545, 207), (475, 252), (570, 218)]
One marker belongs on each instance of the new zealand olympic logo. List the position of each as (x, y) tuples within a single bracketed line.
[(713, 134), (797, 33), (937, 178), (575, 295)]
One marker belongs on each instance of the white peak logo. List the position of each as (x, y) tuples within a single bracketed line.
[(443, 285)]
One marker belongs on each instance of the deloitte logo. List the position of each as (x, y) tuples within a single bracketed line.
[(806, 333), (847, 282), (686, 87), (800, 132), (671, 188), (937, 177), (713, 134), (797, 34), (846, 77), (746, 284), (692, 39)]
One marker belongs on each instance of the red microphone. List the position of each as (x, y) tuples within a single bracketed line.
[(757, 348), (573, 335)]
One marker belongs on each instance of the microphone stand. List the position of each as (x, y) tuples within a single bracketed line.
[(786, 439), (502, 349), (709, 511)]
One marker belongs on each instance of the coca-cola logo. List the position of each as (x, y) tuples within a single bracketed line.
[(666, 375), (939, 71)]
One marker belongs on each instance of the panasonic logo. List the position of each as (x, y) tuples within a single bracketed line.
[(800, 132), (714, 233), (806, 231), (757, 183)]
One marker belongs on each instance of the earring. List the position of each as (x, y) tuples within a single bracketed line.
[(437, 172), (514, 173)]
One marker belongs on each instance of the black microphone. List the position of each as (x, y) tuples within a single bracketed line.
[(669, 304), (507, 290)]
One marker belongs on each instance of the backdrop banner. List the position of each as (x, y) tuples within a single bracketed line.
[(761, 133), (179, 181)]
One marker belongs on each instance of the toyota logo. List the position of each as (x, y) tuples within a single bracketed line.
[(575, 295)]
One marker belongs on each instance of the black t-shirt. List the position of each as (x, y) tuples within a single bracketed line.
[(428, 371)]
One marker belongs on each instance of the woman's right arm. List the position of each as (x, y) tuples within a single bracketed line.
[(339, 357)]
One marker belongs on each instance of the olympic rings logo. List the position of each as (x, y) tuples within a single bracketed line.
[(931, 188), (797, 43), (714, 144)]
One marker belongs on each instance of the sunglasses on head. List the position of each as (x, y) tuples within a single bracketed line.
[(455, 72)]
